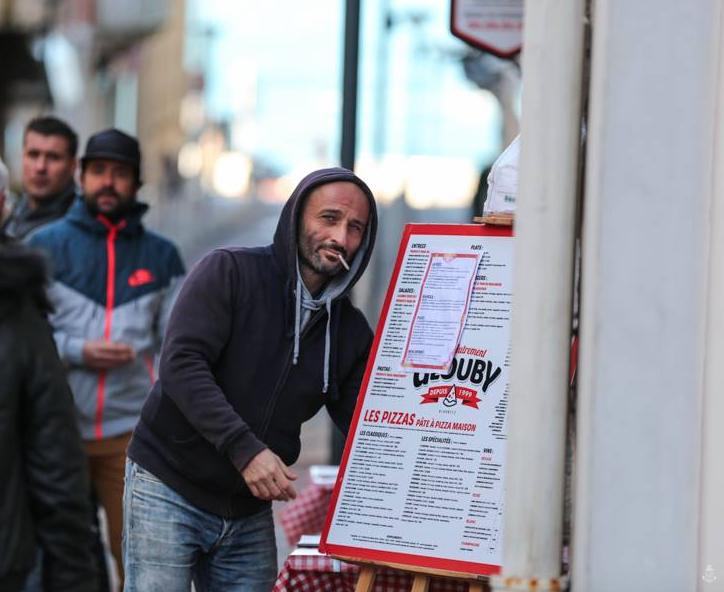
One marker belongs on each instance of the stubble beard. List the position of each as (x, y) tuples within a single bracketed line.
[(116, 213), (309, 256)]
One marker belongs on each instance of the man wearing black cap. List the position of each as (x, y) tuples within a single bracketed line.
[(113, 285)]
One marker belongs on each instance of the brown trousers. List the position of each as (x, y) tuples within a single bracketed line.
[(107, 466)]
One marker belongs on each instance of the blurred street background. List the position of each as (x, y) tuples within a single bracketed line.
[(234, 102)]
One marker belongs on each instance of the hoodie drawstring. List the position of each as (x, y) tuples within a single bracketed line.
[(298, 323), (327, 344), (297, 318)]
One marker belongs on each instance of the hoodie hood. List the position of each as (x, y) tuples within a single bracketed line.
[(286, 235), (22, 277), (285, 249)]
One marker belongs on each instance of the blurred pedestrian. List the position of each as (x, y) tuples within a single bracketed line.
[(258, 341), (113, 284), (49, 163), (44, 485)]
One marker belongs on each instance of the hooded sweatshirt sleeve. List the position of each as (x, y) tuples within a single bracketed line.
[(198, 330)]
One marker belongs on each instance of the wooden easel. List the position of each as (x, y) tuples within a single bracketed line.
[(495, 219), (421, 578)]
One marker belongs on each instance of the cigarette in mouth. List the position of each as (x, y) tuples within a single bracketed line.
[(346, 265)]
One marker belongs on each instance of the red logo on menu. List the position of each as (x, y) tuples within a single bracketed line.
[(451, 395)]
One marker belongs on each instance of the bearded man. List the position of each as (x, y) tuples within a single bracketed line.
[(112, 291), (258, 341)]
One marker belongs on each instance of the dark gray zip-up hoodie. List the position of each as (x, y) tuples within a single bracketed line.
[(228, 384), (23, 220)]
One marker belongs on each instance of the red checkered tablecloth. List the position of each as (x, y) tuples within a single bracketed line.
[(320, 573), (306, 514)]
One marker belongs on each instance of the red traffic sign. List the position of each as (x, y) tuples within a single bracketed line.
[(495, 26)]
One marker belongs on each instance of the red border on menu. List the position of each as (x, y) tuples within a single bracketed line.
[(413, 560)]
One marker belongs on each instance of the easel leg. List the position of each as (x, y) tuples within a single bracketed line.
[(366, 579), (420, 583)]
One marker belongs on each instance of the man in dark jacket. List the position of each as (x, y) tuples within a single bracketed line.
[(44, 484), (258, 341), (49, 163)]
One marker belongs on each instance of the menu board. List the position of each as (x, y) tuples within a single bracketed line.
[(421, 482)]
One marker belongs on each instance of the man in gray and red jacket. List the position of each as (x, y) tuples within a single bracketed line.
[(258, 341), (112, 290)]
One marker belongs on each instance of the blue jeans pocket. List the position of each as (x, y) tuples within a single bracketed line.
[(141, 473)]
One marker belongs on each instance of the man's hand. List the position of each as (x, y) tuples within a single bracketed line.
[(268, 477), (106, 355)]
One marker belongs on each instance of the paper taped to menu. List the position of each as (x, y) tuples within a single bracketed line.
[(439, 316)]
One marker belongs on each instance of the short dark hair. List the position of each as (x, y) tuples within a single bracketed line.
[(47, 125)]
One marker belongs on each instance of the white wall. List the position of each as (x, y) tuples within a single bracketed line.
[(644, 295), (711, 547)]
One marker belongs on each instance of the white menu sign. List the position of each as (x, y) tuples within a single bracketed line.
[(422, 479)]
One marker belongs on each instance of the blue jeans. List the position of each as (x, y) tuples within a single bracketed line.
[(168, 542)]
